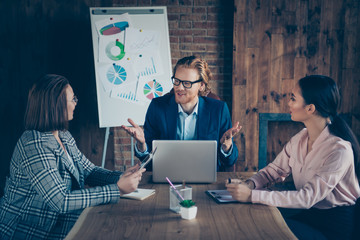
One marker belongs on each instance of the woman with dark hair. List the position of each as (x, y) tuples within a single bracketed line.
[(324, 162), (45, 194)]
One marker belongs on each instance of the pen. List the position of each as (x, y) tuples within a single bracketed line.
[(173, 187)]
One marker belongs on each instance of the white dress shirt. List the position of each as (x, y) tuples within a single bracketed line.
[(186, 127)]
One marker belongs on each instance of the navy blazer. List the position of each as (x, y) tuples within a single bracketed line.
[(213, 121)]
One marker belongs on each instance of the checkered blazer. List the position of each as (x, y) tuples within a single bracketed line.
[(45, 194)]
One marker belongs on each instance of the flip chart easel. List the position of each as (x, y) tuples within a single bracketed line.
[(107, 133), (132, 63)]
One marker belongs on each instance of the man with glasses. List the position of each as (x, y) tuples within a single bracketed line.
[(187, 115)]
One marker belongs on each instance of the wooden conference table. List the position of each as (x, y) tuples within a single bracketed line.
[(152, 219)]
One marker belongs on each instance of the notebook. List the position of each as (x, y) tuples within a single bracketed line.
[(139, 194), (192, 161)]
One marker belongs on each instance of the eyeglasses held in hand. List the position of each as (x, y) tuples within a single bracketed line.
[(186, 84)]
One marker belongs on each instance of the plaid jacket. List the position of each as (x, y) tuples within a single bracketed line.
[(44, 194)]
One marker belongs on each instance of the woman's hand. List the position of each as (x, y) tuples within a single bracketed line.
[(132, 169), (226, 139), (239, 190), (136, 132), (129, 181)]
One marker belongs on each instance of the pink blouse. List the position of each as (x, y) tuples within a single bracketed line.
[(324, 178)]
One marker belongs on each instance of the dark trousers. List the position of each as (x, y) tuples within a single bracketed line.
[(333, 223)]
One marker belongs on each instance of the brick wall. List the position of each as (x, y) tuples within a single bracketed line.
[(196, 27)]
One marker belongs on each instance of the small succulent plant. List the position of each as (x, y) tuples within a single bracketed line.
[(187, 203)]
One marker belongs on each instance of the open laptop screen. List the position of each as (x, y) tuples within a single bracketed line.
[(193, 161)]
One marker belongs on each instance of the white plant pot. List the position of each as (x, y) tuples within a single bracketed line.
[(188, 213)]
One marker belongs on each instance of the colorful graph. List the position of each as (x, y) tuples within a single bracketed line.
[(113, 28), (127, 96), (149, 68), (116, 74), (153, 89), (115, 50)]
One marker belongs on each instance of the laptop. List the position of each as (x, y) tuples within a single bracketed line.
[(192, 161)]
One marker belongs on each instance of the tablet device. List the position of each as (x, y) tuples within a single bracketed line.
[(147, 159), (221, 196)]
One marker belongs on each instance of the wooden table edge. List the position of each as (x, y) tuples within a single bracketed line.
[(78, 224)]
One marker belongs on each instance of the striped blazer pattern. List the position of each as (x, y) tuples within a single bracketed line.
[(45, 194)]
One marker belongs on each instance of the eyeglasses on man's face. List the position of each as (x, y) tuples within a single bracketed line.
[(186, 84)]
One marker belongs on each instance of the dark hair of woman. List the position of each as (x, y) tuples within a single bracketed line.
[(324, 94), (47, 105)]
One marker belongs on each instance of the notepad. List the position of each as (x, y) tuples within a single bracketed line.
[(139, 194), (221, 196)]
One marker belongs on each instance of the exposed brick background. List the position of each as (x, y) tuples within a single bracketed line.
[(196, 27)]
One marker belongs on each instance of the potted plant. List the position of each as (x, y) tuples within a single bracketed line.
[(188, 209)]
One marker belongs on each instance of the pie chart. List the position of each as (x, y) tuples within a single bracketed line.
[(116, 74), (115, 50), (113, 28), (153, 89)]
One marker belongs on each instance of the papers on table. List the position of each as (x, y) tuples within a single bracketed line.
[(139, 194)]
